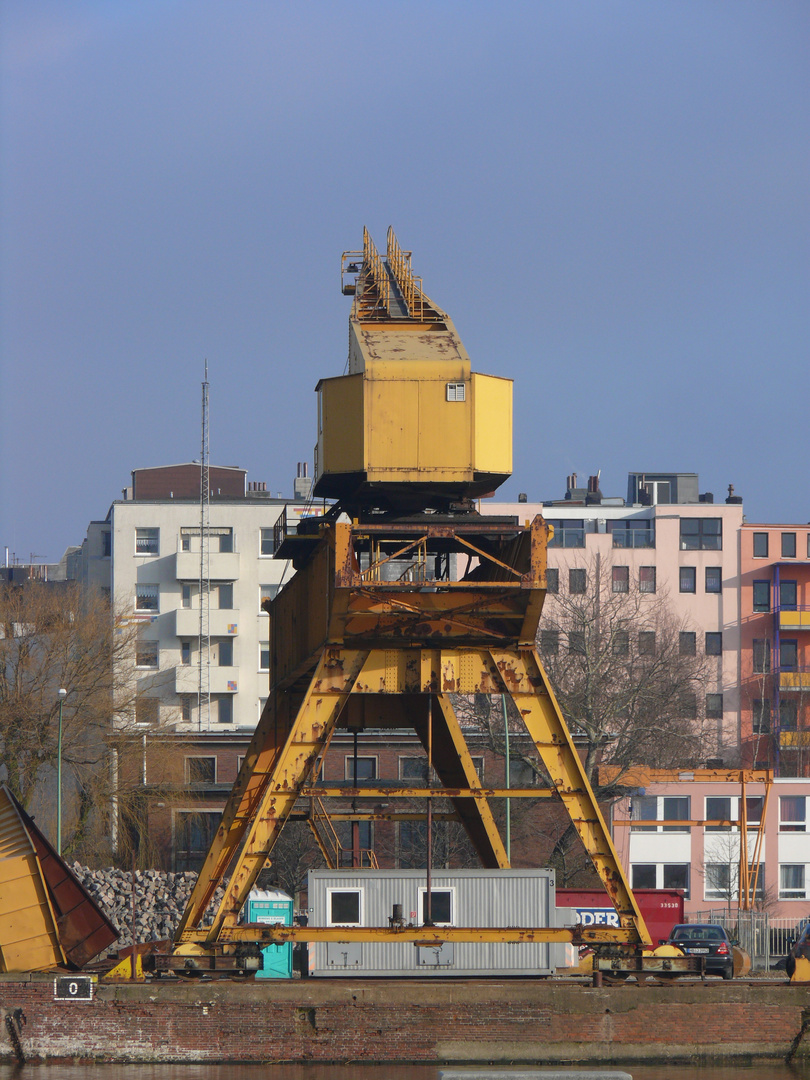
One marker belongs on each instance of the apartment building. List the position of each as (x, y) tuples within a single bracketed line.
[(775, 647), (703, 859), (664, 539), (146, 552)]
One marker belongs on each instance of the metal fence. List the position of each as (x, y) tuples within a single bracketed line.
[(766, 939)]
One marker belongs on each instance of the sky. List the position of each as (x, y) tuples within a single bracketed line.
[(610, 200)]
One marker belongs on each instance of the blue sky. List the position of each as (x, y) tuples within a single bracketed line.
[(610, 199)]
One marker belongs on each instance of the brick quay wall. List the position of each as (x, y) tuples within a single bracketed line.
[(394, 1020)]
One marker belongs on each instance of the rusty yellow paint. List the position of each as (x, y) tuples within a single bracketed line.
[(428, 935), (29, 940)]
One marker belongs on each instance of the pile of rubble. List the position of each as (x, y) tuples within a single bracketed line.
[(160, 899)]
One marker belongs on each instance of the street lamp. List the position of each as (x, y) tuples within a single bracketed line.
[(62, 696)]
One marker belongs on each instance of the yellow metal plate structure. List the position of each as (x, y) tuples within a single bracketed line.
[(28, 936)]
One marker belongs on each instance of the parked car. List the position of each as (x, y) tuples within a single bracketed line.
[(711, 942), (800, 947)]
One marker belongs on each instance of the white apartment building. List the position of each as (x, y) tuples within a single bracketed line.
[(664, 538)]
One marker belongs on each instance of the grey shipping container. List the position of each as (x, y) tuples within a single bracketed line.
[(506, 898)]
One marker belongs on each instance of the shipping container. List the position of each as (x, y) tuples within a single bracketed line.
[(506, 898), (660, 908)]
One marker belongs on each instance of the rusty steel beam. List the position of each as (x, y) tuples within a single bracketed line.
[(420, 935), (400, 792)]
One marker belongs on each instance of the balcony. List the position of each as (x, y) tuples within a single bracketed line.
[(794, 738), (222, 565), (795, 619), (633, 538), (222, 680), (798, 679), (567, 538), (222, 622)]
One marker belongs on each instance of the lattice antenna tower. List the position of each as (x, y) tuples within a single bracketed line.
[(204, 653)]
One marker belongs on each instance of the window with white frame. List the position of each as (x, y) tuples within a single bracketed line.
[(366, 768), (264, 656), (792, 877), (147, 598), (442, 906), (414, 769), (456, 391), (717, 881), (643, 875), (646, 579), (344, 907), (620, 579), (186, 596), (792, 813), (266, 592), (267, 542), (660, 876), (718, 808), (670, 808), (147, 541)]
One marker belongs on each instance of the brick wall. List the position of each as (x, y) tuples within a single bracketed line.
[(397, 1021)]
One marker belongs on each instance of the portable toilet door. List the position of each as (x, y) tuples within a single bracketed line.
[(273, 907)]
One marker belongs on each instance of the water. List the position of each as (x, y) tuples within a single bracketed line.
[(63, 1071)]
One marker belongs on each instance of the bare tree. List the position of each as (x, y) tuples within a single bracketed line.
[(58, 636)]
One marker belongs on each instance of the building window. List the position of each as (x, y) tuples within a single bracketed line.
[(788, 714), (225, 709), (550, 642), (186, 596), (687, 579), (268, 593), (366, 768), (185, 708), (344, 907), (661, 808), (225, 652), (456, 391), (714, 579), (185, 652), (569, 533), (687, 643), (441, 906), (787, 595), (262, 707), (688, 705), (577, 581), (762, 596), (147, 541), (552, 579), (414, 769), (761, 716), (106, 544), (267, 544), (676, 876), (754, 805), (646, 643), (644, 808), (192, 838), (635, 533), (792, 813), (226, 540), (791, 881), (760, 545), (620, 646), (717, 881), (225, 589), (789, 545), (714, 706), (411, 845), (621, 579), (788, 654), (646, 579), (147, 597), (521, 773), (643, 875), (675, 808), (146, 654), (201, 770), (576, 642), (718, 808), (701, 534), (714, 643), (264, 656), (185, 540), (146, 710), (762, 656)]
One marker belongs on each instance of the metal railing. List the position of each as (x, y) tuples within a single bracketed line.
[(633, 538), (766, 938)]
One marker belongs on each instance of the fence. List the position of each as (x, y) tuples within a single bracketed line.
[(766, 939)]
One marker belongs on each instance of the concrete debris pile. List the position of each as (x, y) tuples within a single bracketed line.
[(160, 899)]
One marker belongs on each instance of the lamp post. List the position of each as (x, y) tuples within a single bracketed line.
[(62, 695)]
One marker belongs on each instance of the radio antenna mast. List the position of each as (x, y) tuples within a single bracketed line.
[(204, 656)]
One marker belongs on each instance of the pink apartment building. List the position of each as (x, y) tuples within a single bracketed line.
[(775, 647), (668, 540)]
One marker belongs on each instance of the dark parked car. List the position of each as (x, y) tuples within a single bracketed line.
[(711, 942)]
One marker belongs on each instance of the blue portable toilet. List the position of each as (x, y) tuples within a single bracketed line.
[(274, 907)]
